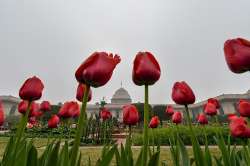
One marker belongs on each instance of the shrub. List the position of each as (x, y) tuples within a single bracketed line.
[(163, 135)]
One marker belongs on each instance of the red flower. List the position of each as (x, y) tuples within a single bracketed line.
[(169, 110), (202, 119), (210, 109), (53, 121), (244, 108), (69, 109), (230, 117), (146, 70), (80, 92), (237, 54), (130, 115), (31, 89), (23, 106), (238, 128), (32, 120), (97, 69), (45, 106), (215, 102), (105, 114), (154, 122), (182, 93), (177, 117), (1, 114)]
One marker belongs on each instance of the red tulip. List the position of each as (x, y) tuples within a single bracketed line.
[(202, 119), (146, 70), (53, 121), (45, 106), (182, 93), (80, 92), (37, 114), (1, 114), (105, 114), (32, 120), (215, 102), (31, 89), (244, 108), (238, 128), (154, 122), (231, 117), (177, 117), (237, 54), (69, 109), (210, 109), (169, 110), (23, 106), (130, 115), (97, 69)]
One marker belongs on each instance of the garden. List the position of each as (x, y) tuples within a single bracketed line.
[(64, 136)]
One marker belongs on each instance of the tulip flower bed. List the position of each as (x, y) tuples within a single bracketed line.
[(95, 72)]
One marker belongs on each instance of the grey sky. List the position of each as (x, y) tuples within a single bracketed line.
[(50, 39)]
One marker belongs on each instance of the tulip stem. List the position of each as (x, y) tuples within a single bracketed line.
[(80, 128), (188, 117), (22, 124), (145, 132)]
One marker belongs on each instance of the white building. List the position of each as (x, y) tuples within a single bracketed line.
[(120, 98)]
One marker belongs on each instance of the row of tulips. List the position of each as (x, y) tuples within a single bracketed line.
[(95, 72)]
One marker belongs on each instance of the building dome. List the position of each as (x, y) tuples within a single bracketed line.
[(121, 96)]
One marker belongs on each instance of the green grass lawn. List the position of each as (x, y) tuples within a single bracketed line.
[(94, 152)]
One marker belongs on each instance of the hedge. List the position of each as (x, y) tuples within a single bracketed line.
[(163, 135)]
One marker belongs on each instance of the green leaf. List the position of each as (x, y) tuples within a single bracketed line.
[(139, 159), (107, 158), (54, 154), (32, 157), (184, 153), (154, 160)]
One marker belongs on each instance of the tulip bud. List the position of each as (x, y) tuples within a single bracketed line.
[(215, 102), (244, 108), (69, 110), (53, 121), (146, 70), (31, 89), (182, 94), (105, 114), (177, 118), (169, 111), (238, 128), (80, 92), (130, 115), (237, 55), (154, 122), (231, 117), (210, 109), (202, 119), (45, 106), (23, 106), (97, 69)]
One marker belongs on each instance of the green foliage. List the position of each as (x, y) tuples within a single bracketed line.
[(165, 134)]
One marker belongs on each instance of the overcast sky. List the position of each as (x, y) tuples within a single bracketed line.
[(51, 38)]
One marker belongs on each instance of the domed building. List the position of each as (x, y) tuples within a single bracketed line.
[(120, 98)]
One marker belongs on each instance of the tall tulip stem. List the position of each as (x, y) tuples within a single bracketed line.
[(145, 132), (23, 124), (188, 117), (80, 128)]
